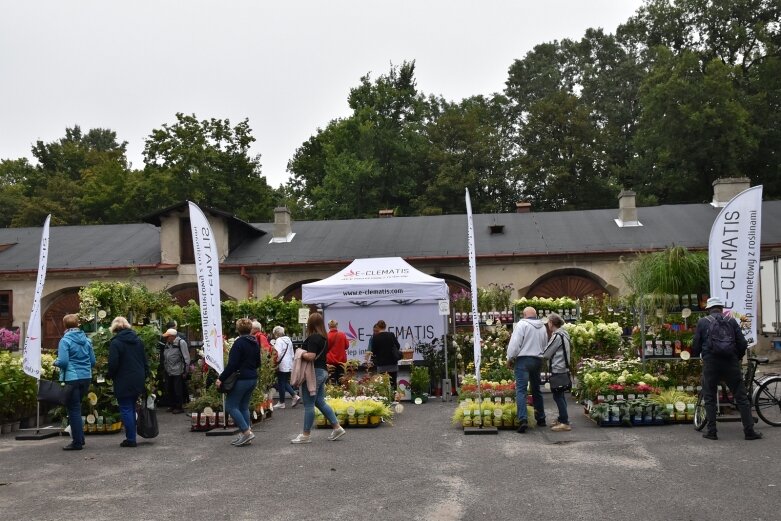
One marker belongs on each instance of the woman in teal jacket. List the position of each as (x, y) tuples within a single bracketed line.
[(75, 358)]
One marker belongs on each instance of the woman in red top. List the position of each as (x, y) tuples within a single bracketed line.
[(337, 351)]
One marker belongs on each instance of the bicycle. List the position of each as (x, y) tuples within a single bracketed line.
[(764, 394)]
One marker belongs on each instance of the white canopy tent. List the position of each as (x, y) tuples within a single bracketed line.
[(383, 288), (386, 278)]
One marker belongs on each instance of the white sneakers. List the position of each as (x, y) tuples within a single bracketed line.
[(336, 434), (279, 405), (243, 439), (296, 400), (301, 438), (304, 438)]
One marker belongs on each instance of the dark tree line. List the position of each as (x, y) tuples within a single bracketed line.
[(679, 95)]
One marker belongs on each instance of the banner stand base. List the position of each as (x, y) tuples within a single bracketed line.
[(480, 430), (39, 434)]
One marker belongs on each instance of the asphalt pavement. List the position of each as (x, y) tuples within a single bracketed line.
[(419, 468)]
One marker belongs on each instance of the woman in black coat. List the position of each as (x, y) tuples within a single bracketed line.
[(129, 368)]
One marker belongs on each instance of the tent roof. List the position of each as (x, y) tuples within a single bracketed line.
[(385, 278)]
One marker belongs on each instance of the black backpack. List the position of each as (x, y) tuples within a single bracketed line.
[(721, 336)]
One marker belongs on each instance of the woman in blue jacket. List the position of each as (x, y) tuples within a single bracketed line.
[(75, 358), (129, 368)]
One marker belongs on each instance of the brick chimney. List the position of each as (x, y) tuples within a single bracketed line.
[(387, 212), (627, 210), (523, 207), (727, 188), (283, 225)]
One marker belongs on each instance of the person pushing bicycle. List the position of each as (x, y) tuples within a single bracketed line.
[(720, 342)]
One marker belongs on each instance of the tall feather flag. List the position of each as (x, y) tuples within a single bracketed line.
[(207, 269), (31, 357), (470, 232), (733, 258)]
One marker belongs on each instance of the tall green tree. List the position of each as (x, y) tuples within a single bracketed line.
[(694, 128), (469, 149), (375, 158), (207, 161), (59, 183)]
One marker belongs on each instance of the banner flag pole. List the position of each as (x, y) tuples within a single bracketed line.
[(31, 355)]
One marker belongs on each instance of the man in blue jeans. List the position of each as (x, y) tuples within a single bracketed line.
[(524, 355)]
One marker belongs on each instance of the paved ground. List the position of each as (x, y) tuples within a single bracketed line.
[(421, 468)]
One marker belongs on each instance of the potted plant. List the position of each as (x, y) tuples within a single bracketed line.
[(420, 382)]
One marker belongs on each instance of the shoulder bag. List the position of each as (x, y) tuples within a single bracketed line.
[(561, 382), (54, 392)]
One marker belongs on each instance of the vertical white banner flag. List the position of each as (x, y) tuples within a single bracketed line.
[(733, 257), (470, 232), (31, 358), (207, 270)]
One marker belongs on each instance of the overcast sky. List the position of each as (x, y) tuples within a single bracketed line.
[(286, 65)]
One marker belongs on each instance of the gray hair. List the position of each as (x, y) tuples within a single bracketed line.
[(257, 325), (278, 331), (118, 324), (556, 320)]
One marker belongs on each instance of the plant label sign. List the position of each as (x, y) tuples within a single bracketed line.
[(303, 315)]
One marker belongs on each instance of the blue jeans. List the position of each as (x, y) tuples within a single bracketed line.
[(283, 385), (237, 402), (560, 397), (310, 402), (80, 390), (127, 411), (527, 373)]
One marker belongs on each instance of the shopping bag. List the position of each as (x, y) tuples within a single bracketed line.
[(146, 423), (54, 392)]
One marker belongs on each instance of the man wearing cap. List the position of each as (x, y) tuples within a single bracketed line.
[(719, 364), (176, 360), (337, 351)]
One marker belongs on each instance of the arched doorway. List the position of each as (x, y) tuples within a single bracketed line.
[(566, 283), (66, 302)]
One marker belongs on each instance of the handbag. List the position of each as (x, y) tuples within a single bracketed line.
[(146, 423), (229, 382), (54, 392), (561, 382)]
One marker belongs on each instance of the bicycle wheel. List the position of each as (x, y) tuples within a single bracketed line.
[(767, 400), (699, 414)]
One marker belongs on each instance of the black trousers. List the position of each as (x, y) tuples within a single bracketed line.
[(176, 389), (715, 370)]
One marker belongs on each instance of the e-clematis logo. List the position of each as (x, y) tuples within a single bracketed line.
[(376, 273), (351, 334)]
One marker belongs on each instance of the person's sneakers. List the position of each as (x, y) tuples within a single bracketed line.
[(554, 423), (244, 439), (301, 438), (128, 443), (523, 426), (296, 401), (279, 405), (710, 435), (561, 427), (753, 435), (71, 446), (237, 439), (336, 434)]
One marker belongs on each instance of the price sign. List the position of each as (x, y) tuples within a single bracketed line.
[(303, 315), (444, 307)]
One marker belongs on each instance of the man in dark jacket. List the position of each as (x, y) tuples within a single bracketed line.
[(722, 366)]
